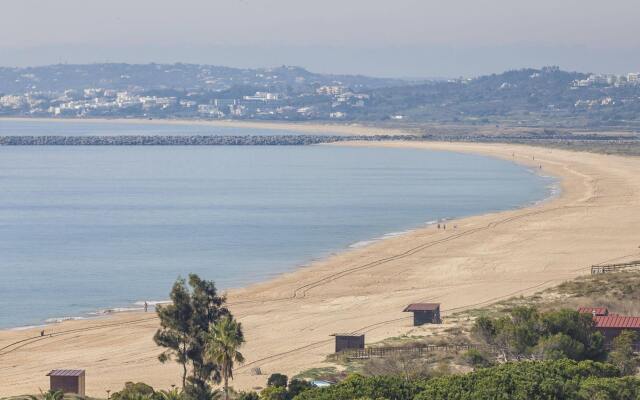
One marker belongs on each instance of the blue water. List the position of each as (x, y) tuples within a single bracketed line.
[(83, 229)]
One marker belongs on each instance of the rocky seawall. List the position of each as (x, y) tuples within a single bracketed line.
[(142, 140)]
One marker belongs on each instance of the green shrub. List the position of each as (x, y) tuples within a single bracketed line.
[(476, 359), (135, 391), (297, 386), (278, 380), (626, 388), (554, 335), (248, 396), (360, 387), (274, 393), (530, 380), (623, 354)]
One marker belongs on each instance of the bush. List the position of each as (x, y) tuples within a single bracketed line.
[(622, 354), (477, 359), (359, 387), (609, 389), (554, 335), (274, 393), (297, 386), (278, 380), (530, 380), (248, 396), (135, 391), (544, 380)]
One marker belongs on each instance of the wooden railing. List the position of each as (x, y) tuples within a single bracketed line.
[(414, 351), (608, 268)]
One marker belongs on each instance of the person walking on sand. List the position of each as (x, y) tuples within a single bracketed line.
[(146, 306)]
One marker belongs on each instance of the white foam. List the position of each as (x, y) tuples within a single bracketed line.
[(26, 327), (152, 302), (362, 243), (58, 320)]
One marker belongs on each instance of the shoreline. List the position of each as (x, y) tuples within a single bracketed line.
[(288, 320), (303, 127), (551, 191)]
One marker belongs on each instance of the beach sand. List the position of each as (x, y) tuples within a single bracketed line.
[(288, 320)]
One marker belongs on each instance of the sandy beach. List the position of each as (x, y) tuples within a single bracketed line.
[(288, 320)]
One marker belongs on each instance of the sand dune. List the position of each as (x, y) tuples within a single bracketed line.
[(289, 319)]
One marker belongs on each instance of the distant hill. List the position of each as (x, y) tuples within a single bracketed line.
[(180, 77), (547, 97)]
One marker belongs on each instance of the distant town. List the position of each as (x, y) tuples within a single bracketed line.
[(530, 97)]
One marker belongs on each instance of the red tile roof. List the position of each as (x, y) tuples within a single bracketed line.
[(617, 322), (66, 372), (422, 307), (592, 310)]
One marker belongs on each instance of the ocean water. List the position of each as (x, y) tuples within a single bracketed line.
[(84, 229)]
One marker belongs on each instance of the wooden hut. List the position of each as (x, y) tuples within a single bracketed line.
[(67, 380), (347, 341), (424, 313)]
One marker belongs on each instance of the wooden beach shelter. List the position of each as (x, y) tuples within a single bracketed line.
[(67, 380), (348, 341), (424, 313)]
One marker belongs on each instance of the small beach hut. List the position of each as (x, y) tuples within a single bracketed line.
[(347, 341), (67, 380), (424, 313)]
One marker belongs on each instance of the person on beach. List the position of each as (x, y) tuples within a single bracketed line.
[(146, 306), (438, 226)]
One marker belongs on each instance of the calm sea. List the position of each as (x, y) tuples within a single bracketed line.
[(84, 229)]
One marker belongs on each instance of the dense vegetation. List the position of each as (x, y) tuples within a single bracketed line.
[(552, 335), (530, 380)]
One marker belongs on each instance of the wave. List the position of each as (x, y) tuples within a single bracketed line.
[(390, 235), (57, 320)]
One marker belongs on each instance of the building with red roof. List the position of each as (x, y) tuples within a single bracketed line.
[(611, 325), (595, 311)]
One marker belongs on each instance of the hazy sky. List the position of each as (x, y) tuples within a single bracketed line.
[(393, 38)]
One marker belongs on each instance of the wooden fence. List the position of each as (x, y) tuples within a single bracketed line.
[(419, 351), (414, 351), (608, 268)]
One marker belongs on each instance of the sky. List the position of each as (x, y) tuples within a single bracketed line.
[(399, 38)]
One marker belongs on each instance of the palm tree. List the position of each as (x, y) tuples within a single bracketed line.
[(173, 394), (49, 395), (223, 341)]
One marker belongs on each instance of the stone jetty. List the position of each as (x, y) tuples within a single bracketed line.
[(204, 140)]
